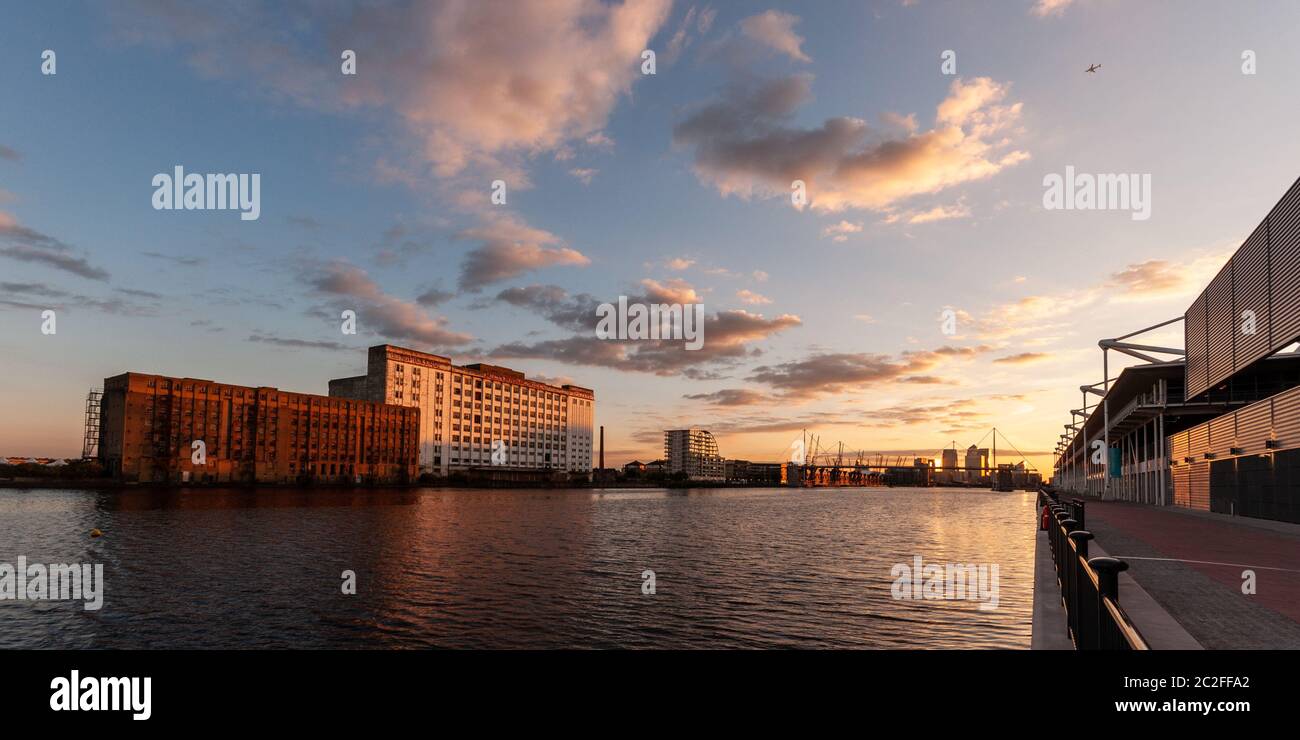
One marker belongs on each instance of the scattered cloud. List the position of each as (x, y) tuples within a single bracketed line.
[(923, 380), (937, 213), (509, 248), (744, 145), (1037, 316), (57, 298), (840, 232), (730, 397), (397, 245), (1023, 358), (348, 287), (696, 22), (752, 298), (32, 289), (183, 261), (1158, 278), (775, 29), (18, 242), (298, 343), (306, 222), (137, 293), (584, 174), (553, 303), (434, 297), (843, 372), (475, 84), (1043, 8), (728, 335)]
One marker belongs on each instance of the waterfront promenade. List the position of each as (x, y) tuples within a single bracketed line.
[(1192, 563)]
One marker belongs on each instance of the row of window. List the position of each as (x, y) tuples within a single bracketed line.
[(508, 388)]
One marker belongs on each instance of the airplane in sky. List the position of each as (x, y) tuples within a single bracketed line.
[(1093, 68)]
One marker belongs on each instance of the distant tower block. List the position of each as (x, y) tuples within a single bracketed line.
[(602, 446)]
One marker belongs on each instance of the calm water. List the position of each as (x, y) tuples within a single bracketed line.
[(741, 568)]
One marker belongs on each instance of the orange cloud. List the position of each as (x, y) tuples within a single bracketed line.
[(743, 146)]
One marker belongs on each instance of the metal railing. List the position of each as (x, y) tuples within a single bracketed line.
[(1074, 508), (1089, 586)]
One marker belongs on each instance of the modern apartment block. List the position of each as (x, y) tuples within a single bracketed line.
[(150, 424), (469, 411), (695, 453)]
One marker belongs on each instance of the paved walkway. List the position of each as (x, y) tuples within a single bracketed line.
[(1191, 563)]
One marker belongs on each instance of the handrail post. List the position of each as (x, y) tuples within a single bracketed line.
[(1070, 576), (1108, 570), (1080, 538), (1058, 514), (1084, 634)]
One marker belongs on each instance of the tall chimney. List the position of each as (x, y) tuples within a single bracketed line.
[(602, 447)]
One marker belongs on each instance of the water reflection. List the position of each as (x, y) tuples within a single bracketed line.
[(246, 567)]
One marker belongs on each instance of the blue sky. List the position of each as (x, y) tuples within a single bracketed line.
[(374, 189)]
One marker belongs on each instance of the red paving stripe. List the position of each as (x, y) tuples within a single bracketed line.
[(1186, 537)]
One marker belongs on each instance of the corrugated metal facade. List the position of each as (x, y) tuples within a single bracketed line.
[(1227, 465), (1182, 485), (1178, 447), (1222, 324), (1195, 340), (1198, 496), (1250, 293), (1262, 277), (1284, 278), (1254, 426), (1223, 432), (1286, 418)]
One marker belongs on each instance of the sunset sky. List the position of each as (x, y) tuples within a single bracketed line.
[(925, 193)]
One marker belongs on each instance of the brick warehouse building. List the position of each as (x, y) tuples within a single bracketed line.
[(537, 427), (252, 435)]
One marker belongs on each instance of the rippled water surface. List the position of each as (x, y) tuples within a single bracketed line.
[(738, 568)]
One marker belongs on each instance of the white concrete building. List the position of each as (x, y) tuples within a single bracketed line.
[(467, 411)]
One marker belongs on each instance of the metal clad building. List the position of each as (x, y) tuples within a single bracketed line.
[(1228, 440), (1196, 340), (1262, 277), (1241, 462), (1220, 325), (1251, 293), (1284, 268)]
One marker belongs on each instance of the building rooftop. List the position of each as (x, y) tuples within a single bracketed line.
[(1125, 395)]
